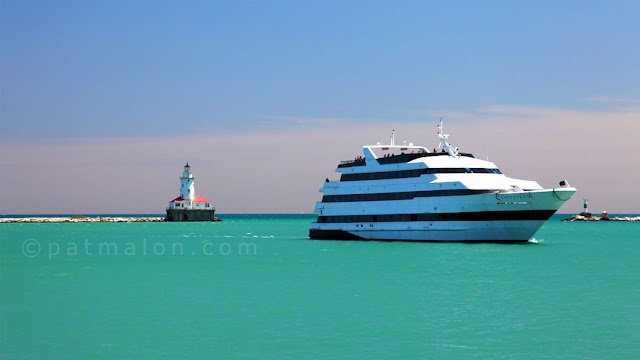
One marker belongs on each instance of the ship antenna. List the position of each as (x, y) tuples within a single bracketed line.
[(443, 141), (392, 137), (440, 134)]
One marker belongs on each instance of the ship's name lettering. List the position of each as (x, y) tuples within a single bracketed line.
[(511, 197)]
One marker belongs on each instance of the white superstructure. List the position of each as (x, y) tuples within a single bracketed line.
[(410, 193)]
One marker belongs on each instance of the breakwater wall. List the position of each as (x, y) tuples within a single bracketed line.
[(80, 219), (603, 218)]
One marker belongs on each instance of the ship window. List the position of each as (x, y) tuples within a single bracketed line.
[(488, 171)]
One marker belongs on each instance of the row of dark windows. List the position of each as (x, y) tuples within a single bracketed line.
[(460, 216), (351, 163), (414, 173), (382, 175), (183, 205), (399, 158), (408, 195)]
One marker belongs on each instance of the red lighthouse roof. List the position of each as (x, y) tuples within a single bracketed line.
[(196, 198), (199, 198)]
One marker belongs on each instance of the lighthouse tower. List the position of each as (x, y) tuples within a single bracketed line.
[(189, 206), (187, 187), (585, 208)]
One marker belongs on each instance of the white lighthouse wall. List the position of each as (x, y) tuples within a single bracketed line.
[(176, 205), (202, 205), (187, 188)]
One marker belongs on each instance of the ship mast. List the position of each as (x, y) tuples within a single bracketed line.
[(443, 142)]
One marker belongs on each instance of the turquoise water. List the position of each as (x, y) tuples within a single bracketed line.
[(256, 287)]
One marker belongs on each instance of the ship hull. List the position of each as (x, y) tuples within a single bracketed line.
[(512, 217), (450, 231)]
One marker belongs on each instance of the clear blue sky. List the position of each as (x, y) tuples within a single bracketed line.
[(113, 97), (76, 69)]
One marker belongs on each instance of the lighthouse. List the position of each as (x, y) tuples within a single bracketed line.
[(189, 206), (187, 186), (585, 208)]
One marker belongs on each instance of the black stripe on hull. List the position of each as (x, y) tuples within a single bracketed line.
[(460, 216), (407, 195), (413, 173), (316, 234), (333, 235)]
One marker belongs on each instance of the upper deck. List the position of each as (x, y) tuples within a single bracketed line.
[(394, 155)]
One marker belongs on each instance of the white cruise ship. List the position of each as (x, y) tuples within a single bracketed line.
[(409, 193)]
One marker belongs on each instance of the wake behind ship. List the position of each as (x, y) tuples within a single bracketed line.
[(409, 193)]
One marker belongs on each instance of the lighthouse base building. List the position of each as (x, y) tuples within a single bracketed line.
[(189, 206), (200, 210)]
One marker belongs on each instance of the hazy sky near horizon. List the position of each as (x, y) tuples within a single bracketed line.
[(102, 102)]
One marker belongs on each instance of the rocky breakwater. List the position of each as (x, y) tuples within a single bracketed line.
[(80, 219), (601, 218)]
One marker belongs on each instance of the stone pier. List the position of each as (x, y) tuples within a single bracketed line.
[(80, 219)]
